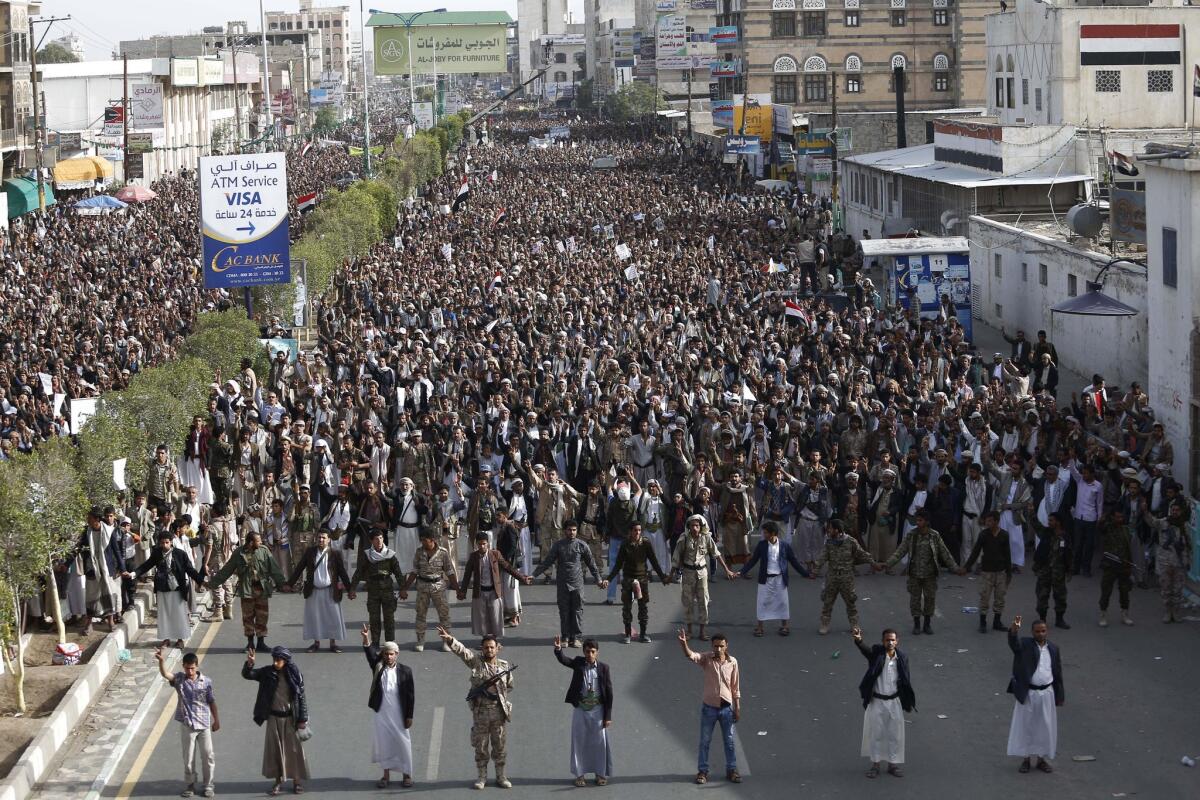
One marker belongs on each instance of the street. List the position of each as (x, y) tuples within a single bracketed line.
[(1131, 698)]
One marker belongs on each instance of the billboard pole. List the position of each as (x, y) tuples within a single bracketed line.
[(362, 35)]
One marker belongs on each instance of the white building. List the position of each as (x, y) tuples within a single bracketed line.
[(560, 54), (1022, 265), (1122, 64), (72, 43), (602, 19), (338, 35), (672, 78), (535, 19), (200, 106)]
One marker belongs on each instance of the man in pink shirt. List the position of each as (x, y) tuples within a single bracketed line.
[(722, 700)]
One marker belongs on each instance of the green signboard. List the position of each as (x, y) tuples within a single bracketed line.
[(444, 49)]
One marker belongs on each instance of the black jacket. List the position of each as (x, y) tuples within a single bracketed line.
[(876, 655), (575, 692), (1025, 661), (336, 567), (268, 679), (403, 676), (180, 565)]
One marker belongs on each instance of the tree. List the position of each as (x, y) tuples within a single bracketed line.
[(584, 95), (631, 101), (55, 53), (326, 119)]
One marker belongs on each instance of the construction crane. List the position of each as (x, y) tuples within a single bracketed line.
[(506, 96)]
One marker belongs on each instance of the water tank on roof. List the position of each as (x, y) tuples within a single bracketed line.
[(1086, 220)]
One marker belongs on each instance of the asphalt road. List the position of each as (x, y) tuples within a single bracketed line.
[(1132, 696)]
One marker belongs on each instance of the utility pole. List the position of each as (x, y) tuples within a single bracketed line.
[(266, 76), (237, 105), (689, 105), (125, 118), (833, 141), (37, 117), (362, 37)]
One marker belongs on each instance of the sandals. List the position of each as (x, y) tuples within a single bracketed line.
[(312, 648), (873, 772), (601, 780), (1024, 766), (580, 782), (382, 783), (758, 631), (895, 771), (785, 631), (701, 777), (335, 649), (407, 782), (298, 789), (276, 790)]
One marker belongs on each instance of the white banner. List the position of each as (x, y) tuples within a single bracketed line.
[(670, 42), (623, 252), (146, 105), (424, 115)]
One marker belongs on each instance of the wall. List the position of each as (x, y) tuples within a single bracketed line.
[(1115, 347), (875, 131), (1172, 195)]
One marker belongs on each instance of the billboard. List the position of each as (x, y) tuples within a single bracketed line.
[(1128, 216), (753, 116), (722, 113), (184, 72), (114, 120), (244, 220), (670, 42), (424, 115), (212, 71), (742, 145), (723, 35), (146, 105), (726, 69), (446, 49), (924, 278), (140, 143)]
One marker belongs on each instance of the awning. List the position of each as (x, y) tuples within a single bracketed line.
[(82, 172), (23, 196), (1094, 304), (671, 113)]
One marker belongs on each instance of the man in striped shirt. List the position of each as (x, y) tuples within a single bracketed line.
[(197, 716)]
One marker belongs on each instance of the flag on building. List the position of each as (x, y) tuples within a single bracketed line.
[(1129, 45), (464, 191), (306, 202), (793, 311), (1122, 163)]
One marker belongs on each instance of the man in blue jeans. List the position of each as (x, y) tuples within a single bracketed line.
[(722, 701)]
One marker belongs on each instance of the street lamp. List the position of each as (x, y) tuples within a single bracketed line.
[(407, 21)]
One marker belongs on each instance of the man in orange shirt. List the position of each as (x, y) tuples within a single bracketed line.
[(722, 701)]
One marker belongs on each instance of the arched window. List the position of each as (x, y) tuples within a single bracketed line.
[(999, 64), (853, 63), (1011, 66), (941, 62), (815, 64), (785, 65), (899, 60)]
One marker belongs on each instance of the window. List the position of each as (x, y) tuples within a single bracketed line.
[(941, 81), (898, 20), (783, 24), (814, 23), (560, 77), (784, 89), (941, 17), (1010, 91), (999, 92), (997, 263), (851, 19), (1024, 92), (1037, 99), (815, 88), (1108, 80), (1160, 80), (999, 311), (560, 58), (1072, 286), (1025, 271), (1043, 275), (1170, 258), (853, 84), (337, 23)]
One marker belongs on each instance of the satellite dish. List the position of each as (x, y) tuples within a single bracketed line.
[(949, 220), (1086, 220)]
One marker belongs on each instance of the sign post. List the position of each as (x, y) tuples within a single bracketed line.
[(244, 220)]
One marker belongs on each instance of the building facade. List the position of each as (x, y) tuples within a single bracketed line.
[(790, 48), (535, 19), (1124, 64), (338, 36), (16, 86), (600, 18), (72, 43), (562, 55)]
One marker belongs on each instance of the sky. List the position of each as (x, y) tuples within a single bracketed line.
[(103, 25)]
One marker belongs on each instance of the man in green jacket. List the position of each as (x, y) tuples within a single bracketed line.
[(926, 550), (634, 559), (258, 576), (381, 571)]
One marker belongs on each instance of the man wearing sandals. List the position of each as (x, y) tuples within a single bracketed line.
[(392, 699), (773, 557), (1037, 685), (721, 702), (886, 694)]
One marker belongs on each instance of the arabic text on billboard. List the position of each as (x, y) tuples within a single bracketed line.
[(455, 49), (743, 145), (726, 69), (671, 42), (141, 143), (244, 219), (722, 113), (723, 35), (146, 105)]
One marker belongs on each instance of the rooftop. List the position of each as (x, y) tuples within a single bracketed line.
[(919, 162), (385, 18), (1053, 230)]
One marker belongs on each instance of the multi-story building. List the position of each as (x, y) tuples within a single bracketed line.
[(688, 67), (597, 16), (338, 35), (611, 38), (562, 56), (16, 87), (72, 43), (790, 48), (535, 19)]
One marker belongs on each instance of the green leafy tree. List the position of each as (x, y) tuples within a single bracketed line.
[(55, 53), (326, 119), (633, 100)]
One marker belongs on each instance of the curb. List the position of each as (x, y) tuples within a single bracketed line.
[(34, 763)]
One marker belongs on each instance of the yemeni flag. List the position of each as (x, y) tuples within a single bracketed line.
[(464, 191), (304, 150), (793, 311), (306, 202), (1122, 163), (1129, 45), (501, 217), (498, 280), (773, 267)]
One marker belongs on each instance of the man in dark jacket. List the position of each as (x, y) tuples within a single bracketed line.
[(1037, 685), (634, 560), (773, 555), (393, 699), (285, 714), (591, 693), (886, 692)]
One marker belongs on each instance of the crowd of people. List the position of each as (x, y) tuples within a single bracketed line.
[(590, 371)]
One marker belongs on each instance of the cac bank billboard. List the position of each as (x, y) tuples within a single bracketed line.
[(244, 220), (445, 49)]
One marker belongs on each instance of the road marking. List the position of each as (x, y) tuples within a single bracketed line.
[(435, 744), (160, 726)]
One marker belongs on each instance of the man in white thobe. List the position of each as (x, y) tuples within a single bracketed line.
[(409, 512), (1037, 686), (886, 695), (392, 699)]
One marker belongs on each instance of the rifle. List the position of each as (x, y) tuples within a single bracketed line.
[(478, 691)]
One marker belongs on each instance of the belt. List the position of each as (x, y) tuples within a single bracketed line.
[(879, 696), (275, 713), (969, 515), (696, 568), (491, 589), (429, 580), (1040, 688), (773, 574), (409, 527)]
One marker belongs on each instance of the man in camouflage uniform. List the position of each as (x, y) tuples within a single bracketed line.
[(557, 501), (842, 553), (433, 569), (417, 462), (222, 462), (1172, 556), (222, 531), (491, 711), (1052, 566), (302, 525), (692, 554), (926, 551), (1116, 563), (258, 576), (378, 566)]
